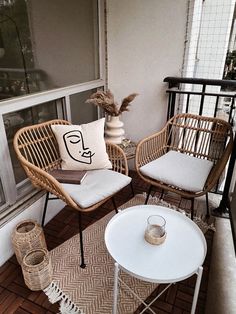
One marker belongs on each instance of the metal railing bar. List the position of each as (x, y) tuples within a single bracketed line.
[(177, 91), (168, 109), (231, 110), (187, 103), (202, 99), (174, 81), (216, 105)]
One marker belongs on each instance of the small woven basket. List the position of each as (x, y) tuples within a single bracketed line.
[(37, 269), (27, 235)]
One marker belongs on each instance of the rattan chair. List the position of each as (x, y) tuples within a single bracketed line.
[(192, 135), (37, 150)]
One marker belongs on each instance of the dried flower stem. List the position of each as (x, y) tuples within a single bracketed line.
[(105, 100)]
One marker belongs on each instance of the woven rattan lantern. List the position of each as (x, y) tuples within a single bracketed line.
[(37, 269), (26, 236)]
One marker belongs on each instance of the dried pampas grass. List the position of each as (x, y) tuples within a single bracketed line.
[(126, 102), (106, 101)]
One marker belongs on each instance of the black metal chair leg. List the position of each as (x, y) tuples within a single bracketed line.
[(114, 204), (45, 208), (148, 194), (207, 205), (192, 207), (82, 265), (162, 193), (132, 188), (180, 201)]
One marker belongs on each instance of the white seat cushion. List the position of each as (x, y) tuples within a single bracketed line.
[(180, 170), (96, 186)]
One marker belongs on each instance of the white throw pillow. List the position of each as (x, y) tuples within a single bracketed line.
[(82, 147), (186, 172)]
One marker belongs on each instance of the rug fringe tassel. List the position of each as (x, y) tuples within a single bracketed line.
[(55, 294)]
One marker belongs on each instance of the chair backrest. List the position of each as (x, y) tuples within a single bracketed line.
[(37, 145), (200, 136)]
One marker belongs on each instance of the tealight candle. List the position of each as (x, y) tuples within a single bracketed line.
[(155, 231)]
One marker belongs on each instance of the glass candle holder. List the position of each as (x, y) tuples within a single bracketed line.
[(155, 232)]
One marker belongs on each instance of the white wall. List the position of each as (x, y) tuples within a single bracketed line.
[(145, 44), (34, 212)]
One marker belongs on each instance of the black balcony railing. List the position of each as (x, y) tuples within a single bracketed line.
[(182, 92), (177, 86)]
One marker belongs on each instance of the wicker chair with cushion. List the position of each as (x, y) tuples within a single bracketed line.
[(187, 156), (37, 149)]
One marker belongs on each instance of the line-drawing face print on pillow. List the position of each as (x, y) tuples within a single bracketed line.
[(75, 147)]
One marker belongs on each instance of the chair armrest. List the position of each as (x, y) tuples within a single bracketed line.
[(151, 148), (219, 167), (43, 180), (117, 158)]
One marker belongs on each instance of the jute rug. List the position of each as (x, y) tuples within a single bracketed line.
[(90, 290)]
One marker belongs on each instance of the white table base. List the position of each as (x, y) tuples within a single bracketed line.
[(117, 279)]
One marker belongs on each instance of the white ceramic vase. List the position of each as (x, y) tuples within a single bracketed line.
[(114, 132)]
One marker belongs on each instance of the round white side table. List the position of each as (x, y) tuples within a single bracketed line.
[(179, 257)]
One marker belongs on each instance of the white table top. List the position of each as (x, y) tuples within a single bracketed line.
[(179, 257)]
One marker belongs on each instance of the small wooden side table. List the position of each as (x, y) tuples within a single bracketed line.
[(129, 149)]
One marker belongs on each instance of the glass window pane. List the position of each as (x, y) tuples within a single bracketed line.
[(80, 111), (18, 119), (47, 44)]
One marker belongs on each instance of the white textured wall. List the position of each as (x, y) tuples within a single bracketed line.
[(145, 44)]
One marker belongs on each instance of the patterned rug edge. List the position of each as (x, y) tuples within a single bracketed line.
[(55, 294)]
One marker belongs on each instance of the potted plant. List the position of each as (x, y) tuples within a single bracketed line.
[(114, 126)]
